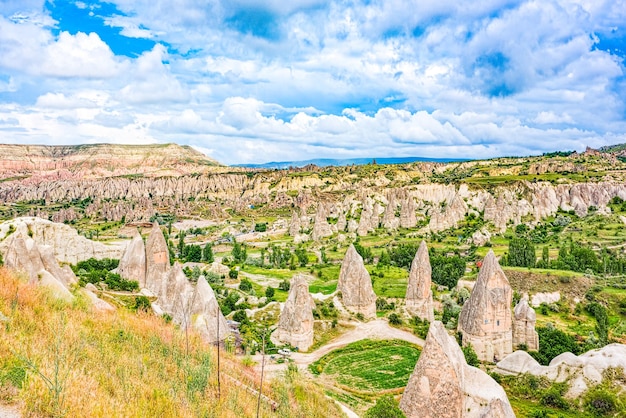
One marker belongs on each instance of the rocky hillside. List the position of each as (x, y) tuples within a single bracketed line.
[(315, 202), (38, 162)]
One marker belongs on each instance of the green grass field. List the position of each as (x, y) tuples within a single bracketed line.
[(370, 365)]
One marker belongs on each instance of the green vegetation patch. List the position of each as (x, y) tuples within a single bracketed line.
[(370, 365)]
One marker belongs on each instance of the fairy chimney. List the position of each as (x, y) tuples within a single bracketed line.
[(355, 285), (443, 385), (295, 325), (485, 321), (157, 259), (524, 319), (419, 295), (133, 263)]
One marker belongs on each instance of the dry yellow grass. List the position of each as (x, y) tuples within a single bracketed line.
[(65, 360)]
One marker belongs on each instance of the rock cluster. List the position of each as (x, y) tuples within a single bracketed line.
[(485, 321), (443, 385), (580, 372), (524, 319), (39, 265), (67, 246), (419, 295), (321, 227), (295, 324), (355, 285), (188, 306)]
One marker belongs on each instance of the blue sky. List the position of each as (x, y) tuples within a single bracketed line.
[(257, 81)]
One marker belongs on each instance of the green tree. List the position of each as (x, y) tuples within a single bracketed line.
[(386, 407), (181, 244), (553, 342), (233, 273), (303, 258), (193, 253), (521, 253), (384, 259), (207, 253), (245, 285), (447, 271), (239, 252), (602, 322), (269, 293)]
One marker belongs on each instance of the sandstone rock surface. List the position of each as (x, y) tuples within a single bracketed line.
[(157, 259), (66, 244), (485, 320), (524, 319), (206, 313), (443, 385), (24, 255), (419, 295), (355, 285), (295, 324), (321, 227), (133, 263)]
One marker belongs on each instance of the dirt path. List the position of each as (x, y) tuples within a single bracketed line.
[(378, 329)]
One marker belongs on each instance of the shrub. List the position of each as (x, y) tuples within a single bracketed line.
[(142, 304), (233, 273), (386, 407), (245, 285), (600, 402), (394, 319), (284, 285), (470, 355), (269, 292)]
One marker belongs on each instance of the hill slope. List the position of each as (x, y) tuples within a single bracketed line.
[(100, 160), (61, 360)]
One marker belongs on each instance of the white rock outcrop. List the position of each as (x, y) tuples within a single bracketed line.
[(133, 262), (580, 371), (67, 246)]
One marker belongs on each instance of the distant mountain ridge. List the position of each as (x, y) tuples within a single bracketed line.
[(325, 162), (101, 160)]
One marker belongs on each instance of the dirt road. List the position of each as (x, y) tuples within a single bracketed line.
[(377, 329)]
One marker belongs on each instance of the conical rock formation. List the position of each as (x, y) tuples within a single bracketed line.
[(524, 319), (355, 285), (133, 263), (443, 385), (174, 296), (485, 320), (419, 295), (206, 313), (157, 259), (295, 325)]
